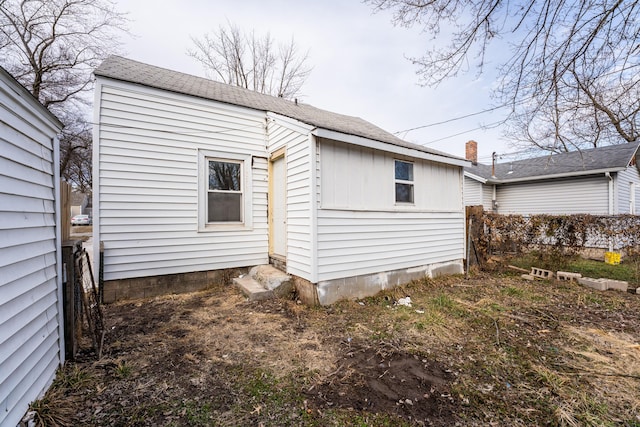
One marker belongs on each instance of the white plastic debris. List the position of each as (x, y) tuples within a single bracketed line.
[(406, 301)]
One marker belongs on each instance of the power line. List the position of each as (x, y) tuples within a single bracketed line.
[(452, 119), (462, 133), (488, 110)]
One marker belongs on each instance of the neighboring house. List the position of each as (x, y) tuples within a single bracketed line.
[(80, 204), (598, 181), (31, 319), (193, 175)]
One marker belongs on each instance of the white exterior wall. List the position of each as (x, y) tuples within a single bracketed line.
[(487, 197), (360, 228), (359, 178), (472, 192), (31, 334), (558, 197), (294, 137), (478, 194), (623, 180), (147, 149)]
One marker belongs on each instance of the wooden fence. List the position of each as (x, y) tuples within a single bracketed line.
[(65, 210)]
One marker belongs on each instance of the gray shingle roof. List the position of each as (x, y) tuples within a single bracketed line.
[(119, 68), (583, 162)]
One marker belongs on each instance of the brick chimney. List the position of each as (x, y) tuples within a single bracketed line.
[(471, 151)]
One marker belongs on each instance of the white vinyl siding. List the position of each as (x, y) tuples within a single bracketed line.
[(360, 228), (146, 184), (31, 344), (353, 243), (623, 184), (472, 192), (295, 138), (487, 197), (359, 178), (557, 197)]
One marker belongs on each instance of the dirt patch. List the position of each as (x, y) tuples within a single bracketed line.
[(490, 350), (388, 380)]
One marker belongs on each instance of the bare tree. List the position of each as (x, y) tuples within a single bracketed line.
[(251, 61), (51, 47), (572, 79)]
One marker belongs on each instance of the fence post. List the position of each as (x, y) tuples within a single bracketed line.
[(65, 206), (474, 221), (72, 320), (101, 273)]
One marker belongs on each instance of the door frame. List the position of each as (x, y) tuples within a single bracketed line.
[(276, 155)]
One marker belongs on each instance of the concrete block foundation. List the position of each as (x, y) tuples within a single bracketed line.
[(328, 292), (152, 286)]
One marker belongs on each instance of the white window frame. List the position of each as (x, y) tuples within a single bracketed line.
[(246, 175), (403, 181)]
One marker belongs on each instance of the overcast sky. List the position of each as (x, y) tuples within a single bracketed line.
[(358, 59)]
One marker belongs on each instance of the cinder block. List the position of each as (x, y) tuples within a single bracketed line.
[(618, 285), (565, 275), (541, 273), (599, 284), (109, 295), (527, 277)]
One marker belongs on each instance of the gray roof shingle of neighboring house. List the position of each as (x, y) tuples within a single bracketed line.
[(119, 68), (584, 162)]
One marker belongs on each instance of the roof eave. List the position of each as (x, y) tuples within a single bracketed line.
[(32, 100), (555, 176), (633, 154), (475, 177), (386, 146)]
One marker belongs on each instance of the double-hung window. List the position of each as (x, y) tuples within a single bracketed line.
[(404, 182), (224, 191)]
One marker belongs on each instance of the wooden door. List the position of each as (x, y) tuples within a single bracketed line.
[(278, 207)]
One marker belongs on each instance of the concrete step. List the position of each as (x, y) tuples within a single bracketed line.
[(264, 282), (273, 279), (253, 289)]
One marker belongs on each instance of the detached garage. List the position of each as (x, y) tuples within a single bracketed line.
[(31, 320)]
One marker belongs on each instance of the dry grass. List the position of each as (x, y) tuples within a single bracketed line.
[(76, 229), (510, 352)]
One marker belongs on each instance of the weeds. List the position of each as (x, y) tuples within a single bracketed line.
[(72, 377), (504, 359), (442, 301), (512, 291), (628, 270), (196, 413), (48, 412), (123, 370), (551, 379), (564, 415)]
